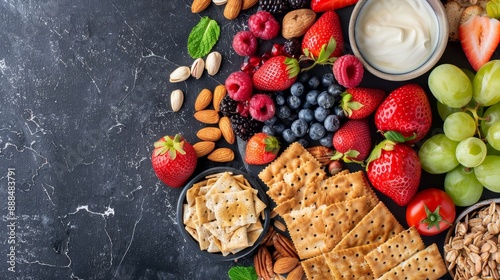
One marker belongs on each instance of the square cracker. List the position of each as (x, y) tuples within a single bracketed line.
[(189, 215), (280, 192), (378, 226), (238, 240), (217, 231), (203, 213), (350, 263), (337, 188), (425, 264), (317, 269), (340, 218), (223, 184), (287, 207), (234, 208), (307, 230), (395, 250), (194, 191)]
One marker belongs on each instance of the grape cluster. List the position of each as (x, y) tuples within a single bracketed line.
[(468, 150), (308, 112)]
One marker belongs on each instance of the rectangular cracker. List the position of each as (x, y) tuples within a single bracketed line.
[(340, 218), (234, 208), (204, 214), (287, 207), (307, 230), (425, 264), (317, 269), (350, 263), (378, 226), (394, 251)]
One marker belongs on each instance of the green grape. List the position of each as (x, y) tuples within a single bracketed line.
[(490, 116), (437, 154), (471, 152), (462, 186), (492, 151), (488, 173), (469, 74), (444, 111), (459, 126), (450, 85), (493, 136), (486, 83)]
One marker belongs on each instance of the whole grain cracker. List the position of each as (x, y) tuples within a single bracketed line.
[(317, 268), (350, 263), (234, 208)]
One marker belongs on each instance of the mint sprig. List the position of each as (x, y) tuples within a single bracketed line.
[(242, 273), (203, 37)]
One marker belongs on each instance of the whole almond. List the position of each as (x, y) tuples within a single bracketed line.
[(297, 22), (221, 155), (207, 116), (233, 9), (296, 274), (199, 5), (285, 264), (209, 134), (219, 93), (176, 100), (180, 74), (203, 99), (247, 4), (203, 148), (226, 129), (197, 68)]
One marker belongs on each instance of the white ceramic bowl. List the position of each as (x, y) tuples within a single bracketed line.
[(368, 40)]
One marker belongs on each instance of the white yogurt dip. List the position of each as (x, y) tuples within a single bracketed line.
[(396, 36)]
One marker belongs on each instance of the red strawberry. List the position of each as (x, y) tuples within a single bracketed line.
[(277, 73), (174, 160), (325, 5), (394, 169), (352, 141), (261, 149), (407, 111), (317, 38), (479, 36), (359, 103)]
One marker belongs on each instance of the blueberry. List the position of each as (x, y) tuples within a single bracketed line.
[(288, 135), (327, 141), (326, 100), (306, 105), (303, 142), (303, 77), (280, 100), (335, 90), (299, 127), (279, 127), (327, 79), (269, 130), (294, 101), (293, 116), (317, 131), (306, 114), (339, 112), (332, 123), (320, 114), (312, 97), (313, 82), (297, 89), (271, 121), (284, 112)]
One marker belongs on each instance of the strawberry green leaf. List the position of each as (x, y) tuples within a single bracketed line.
[(272, 144), (347, 105), (387, 145), (242, 273), (398, 137), (292, 66), (203, 37), (171, 145), (324, 55)]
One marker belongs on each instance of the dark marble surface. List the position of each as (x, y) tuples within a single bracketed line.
[(84, 94)]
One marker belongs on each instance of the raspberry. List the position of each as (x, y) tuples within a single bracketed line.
[(348, 71), (263, 25), (239, 86), (245, 43), (262, 107)]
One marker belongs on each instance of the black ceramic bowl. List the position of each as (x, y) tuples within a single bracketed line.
[(193, 243)]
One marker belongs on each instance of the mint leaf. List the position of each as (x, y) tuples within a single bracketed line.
[(242, 273), (203, 37)]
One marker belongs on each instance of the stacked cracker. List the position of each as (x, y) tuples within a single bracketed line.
[(339, 227)]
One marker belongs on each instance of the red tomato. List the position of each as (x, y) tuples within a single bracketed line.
[(431, 211)]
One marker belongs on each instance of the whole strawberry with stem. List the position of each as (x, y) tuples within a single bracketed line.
[(324, 41), (352, 141), (359, 103), (174, 160), (276, 74), (405, 110), (261, 149)]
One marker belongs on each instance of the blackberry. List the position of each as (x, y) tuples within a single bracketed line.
[(274, 6), (293, 47), (297, 4), (228, 106), (245, 127)]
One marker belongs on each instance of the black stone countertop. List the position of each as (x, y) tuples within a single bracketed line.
[(84, 94)]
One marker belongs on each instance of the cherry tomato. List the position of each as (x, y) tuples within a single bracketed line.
[(431, 211)]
